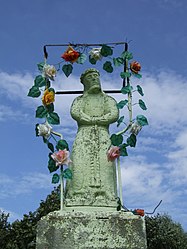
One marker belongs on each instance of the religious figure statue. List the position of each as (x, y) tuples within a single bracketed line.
[(94, 177)]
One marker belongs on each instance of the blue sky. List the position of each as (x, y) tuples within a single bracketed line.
[(156, 169)]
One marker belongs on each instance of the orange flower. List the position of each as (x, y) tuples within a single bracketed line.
[(48, 97), (135, 67), (70, 55)]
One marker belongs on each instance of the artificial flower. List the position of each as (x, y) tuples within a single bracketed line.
[(61, 157), (139, 212), (70, 55), (95, 54), (48, 97), (113, 153), (135, 67), (135, 128), (49, 71), (43, 130)]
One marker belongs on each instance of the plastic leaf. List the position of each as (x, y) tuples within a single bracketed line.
[(137, 75), (62, 144), (67, 69), (34, 92), (118, 61), (120, 120), (52, 165), (41, 112), (122, 103), (126, 89), (116, 139), (140, 90), (127, 55), (125, 75), (40, 66), (82, 58), (51, 147), (141, 120), (67, 174), (40, 81), (53, 118), (92, 60), (142, 104), (106, 50), (131, 140), (123, 150), (55, 178), (107, 66), (50, 108)]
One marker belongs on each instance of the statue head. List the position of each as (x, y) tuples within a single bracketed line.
[(90, 80)]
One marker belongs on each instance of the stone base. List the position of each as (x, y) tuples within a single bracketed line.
[(86, 230)]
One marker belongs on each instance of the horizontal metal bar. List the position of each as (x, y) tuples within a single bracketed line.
[(81, 92), (84, 44)]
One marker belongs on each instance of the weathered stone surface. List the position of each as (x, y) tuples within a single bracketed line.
[(94, 177), (86, 230)]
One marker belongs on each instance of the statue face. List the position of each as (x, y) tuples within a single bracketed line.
[(92, 82)]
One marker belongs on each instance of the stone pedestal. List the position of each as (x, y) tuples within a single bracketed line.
[(96, 230)]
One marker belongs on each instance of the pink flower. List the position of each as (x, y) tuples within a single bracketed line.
[(61, 157), (113, 153)]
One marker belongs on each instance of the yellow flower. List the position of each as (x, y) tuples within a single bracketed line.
[(48, 97)]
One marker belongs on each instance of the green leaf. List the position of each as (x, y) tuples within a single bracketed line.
[(45, 140), (34, 92), (122, 103), (126, 55), (92, 60), (137, 75), (55, 178), (140, 90), (123, 150), (51, 147), (52, 165), (53, 118), (118, 61), (82, 58), (62, 144), (106, 50), (50, 108), (41, 112), (125, 75), (116, 139), (131, 140), (120, 120), (40, 66), (67, 69), (126, 89), (142, 104), (67, 174), (39, 81), (107, 66), (141, 120)]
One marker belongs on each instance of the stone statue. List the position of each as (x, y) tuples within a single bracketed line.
[(94, 177)]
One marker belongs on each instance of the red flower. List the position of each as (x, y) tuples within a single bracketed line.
[(139, 212), (135, 67), (70, 55)]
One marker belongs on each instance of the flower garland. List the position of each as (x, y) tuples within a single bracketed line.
[(59, 155)]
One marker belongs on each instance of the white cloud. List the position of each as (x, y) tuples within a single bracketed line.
[(24, 184)]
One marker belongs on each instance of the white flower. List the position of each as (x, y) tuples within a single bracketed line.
[(95, 53), (135, 128), (43, 130), (49, 71)]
